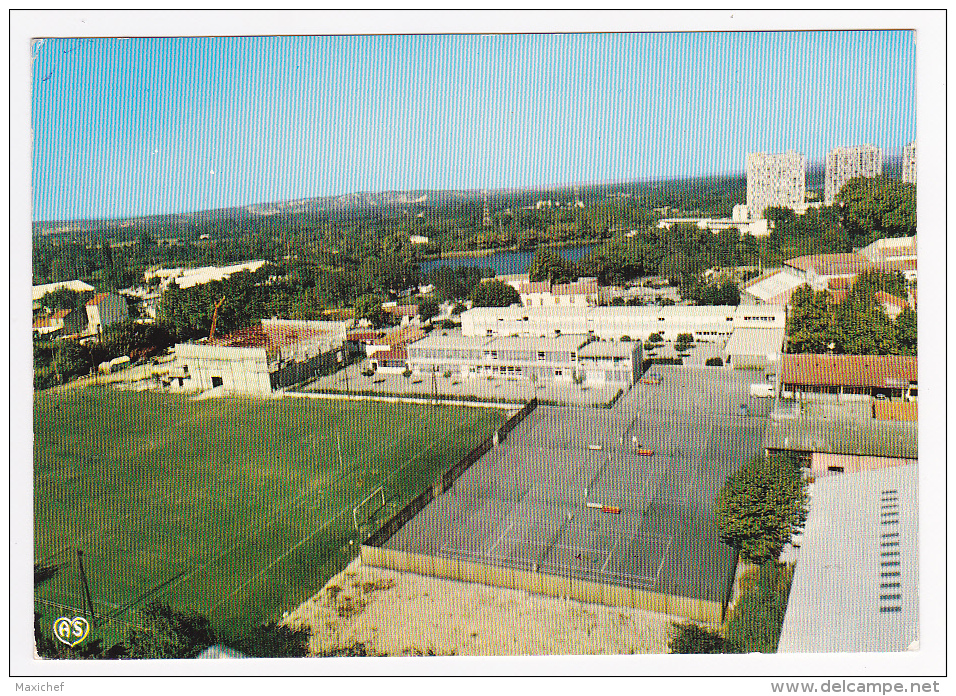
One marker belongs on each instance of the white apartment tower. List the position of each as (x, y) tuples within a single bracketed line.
[(909, 163), (775, 180), (845, 163)]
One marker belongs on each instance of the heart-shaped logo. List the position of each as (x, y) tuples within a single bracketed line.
[(71, 631)]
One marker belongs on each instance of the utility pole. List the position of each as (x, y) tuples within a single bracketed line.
[(345, 368), (86, 587)]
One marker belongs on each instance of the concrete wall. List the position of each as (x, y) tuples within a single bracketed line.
[(242, 370), (112, 310), (821, 462)]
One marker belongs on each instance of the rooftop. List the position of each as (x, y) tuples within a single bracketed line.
[(877, 371), (855, 588), (402, 336), (831, 264), (773, 286), (74, 285), (748, 341), (97, 299), (607, 349), (268, 336)]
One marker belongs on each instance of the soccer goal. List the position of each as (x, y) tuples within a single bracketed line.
[(369, 507)]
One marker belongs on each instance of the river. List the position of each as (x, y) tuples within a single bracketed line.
[(507, 262)]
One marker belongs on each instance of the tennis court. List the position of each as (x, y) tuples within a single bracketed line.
[(568, 494)]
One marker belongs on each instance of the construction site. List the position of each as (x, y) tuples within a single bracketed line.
[(609, 506)]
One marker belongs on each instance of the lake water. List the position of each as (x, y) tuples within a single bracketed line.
[(506, 262)]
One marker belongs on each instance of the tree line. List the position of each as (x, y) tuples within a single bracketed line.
[(858, 325)]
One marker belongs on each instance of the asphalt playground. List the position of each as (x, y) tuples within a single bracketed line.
[(572, 492)]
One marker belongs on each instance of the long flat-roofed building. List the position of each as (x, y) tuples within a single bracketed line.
[(845, 163), (714, 323), (856, 584), (778, 179), (863, 376), (556, 358)]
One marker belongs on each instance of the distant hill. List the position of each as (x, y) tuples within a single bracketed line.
[(725, 189)]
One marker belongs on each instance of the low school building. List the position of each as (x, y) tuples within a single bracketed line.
[(554, 359)]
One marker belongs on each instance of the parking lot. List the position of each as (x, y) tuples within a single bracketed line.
[(494, 389)]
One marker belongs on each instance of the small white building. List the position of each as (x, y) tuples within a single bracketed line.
[(105, 309), (276, 354), (758, 228)]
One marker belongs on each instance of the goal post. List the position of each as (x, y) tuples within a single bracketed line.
[(365, 510)]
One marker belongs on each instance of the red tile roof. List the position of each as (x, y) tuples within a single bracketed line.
[(535, 287), (887, 298), (363, 336), (396, 353), (848, 370), (97, 298), (577, 288), (402, 310), (273, 336), (831, 264)]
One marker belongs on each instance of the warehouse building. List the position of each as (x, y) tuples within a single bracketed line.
[(856, 584), (559, 358), (276, 354)]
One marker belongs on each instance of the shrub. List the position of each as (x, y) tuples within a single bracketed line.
[(756, 620), (273, 640), (163, 632), (714, 362), (626, 339), (655, 338), (691, 639)]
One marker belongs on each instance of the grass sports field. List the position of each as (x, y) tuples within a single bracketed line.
[(236, 508)]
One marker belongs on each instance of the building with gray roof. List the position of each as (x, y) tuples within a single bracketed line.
[(856, 583), (545, 359)]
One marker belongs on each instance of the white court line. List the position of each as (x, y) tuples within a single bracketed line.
[(611, 552), (667, 547), (514, 518)]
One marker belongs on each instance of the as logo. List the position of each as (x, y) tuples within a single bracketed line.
[(71, 631)]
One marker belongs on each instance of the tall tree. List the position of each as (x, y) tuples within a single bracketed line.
[(494, 293), (760, 507), (905, 330), (876, 208), (808, 326), (551, 266)]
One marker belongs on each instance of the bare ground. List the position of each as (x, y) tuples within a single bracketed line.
[(399, 613)]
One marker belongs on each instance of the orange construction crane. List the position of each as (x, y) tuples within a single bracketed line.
[(215, 315)]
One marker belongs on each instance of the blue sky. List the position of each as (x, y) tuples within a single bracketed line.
[(141, 126)]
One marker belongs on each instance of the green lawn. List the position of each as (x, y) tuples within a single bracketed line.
[(236, 508)]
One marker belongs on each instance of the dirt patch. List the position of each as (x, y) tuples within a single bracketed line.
[(396, 613)]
